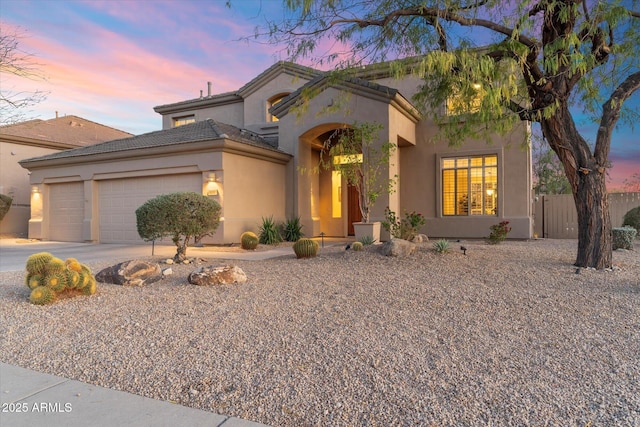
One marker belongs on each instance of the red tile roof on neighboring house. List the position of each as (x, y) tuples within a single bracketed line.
[(61, 132)]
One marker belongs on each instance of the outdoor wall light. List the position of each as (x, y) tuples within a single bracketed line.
[(35, 189), (211, 177)]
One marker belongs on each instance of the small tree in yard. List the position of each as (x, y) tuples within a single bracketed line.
[(502, 63), (362, 161), (181, 216)]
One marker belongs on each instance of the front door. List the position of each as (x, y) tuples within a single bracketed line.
[(353, 203)]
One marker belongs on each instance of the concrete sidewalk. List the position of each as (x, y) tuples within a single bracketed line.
[(34, 399)]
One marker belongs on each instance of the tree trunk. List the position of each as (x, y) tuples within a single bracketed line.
[(587, 179)]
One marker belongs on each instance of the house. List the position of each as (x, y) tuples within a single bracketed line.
[(38, 137), (252, 150)]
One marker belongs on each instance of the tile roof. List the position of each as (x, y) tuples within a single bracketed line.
[(71, 130), (199, 131)]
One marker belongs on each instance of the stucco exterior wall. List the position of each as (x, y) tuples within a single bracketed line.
[(231, 113), (251, 189), (14, 182)]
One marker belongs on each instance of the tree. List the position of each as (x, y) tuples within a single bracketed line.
[(14, 62), (540, 59), (361, 160), (632, 183), (181, 216)]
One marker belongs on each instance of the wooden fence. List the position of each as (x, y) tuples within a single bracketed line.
[(555, 216)]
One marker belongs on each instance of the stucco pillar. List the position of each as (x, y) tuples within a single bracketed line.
[(91, 221), (36, 218)]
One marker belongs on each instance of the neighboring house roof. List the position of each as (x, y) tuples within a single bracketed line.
[(266, 76), (198, 131), (60, 133)]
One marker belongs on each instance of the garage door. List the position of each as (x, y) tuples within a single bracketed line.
[(119, 199), (66, 211)]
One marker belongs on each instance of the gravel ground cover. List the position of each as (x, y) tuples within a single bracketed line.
[(511, 334)]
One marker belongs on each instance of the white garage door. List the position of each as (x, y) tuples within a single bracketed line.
[(119, 199), (66, 211)]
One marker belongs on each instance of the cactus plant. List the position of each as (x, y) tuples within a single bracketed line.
[(55, 275), (55, 265), (305, 248), (37, 262), (249, 240), (34, 280), (73, 264), (357, 246), (56, 281), (90, 289), (73, 279), (42, 295)]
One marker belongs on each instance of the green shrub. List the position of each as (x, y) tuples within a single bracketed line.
[(442, 246), (248, 240), (632, 219), (367, 240), (306, 248), (357, 246), (292, 230), (623, 237), (403, 228), (499, 232), (180, 216), (5, 205), (269, 233)]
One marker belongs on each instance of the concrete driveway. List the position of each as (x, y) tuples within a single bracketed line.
[(14, 252)]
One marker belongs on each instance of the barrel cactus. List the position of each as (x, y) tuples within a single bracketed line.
[(249, 240), (305, 248), (73, 264), (34, 280), (56, 281), (90, 288), (357, 246), (37, 262), (73, 279), (47, 276), (55, 265), (42, 295)]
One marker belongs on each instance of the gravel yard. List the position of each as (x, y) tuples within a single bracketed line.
[(510, 334)]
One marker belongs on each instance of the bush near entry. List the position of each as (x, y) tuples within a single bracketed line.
[(181, 216)]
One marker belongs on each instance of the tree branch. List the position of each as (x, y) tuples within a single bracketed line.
[(611, 114)]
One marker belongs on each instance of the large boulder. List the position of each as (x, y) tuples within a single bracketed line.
[(221, 275), (131, 273), (398, 247)]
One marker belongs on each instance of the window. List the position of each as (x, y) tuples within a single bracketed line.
[(470, 185), (274, 101), (456, 105), (179, 121)]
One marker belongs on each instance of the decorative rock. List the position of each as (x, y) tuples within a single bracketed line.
[(222, 275), (167, 272), (420, 238), (131, 273), (168, 261), (398, 247)]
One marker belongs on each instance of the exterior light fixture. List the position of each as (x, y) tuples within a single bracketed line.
[(35, 189)]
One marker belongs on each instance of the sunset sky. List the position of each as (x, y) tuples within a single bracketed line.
[(112, 61)]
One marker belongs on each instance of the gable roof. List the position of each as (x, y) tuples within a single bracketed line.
[(193, 132), (239, 95), (355, 85), (60, 132)]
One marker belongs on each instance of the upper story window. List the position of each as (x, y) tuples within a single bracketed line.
[(274, 101), (456, 105), (470, 185), (184, 120)]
